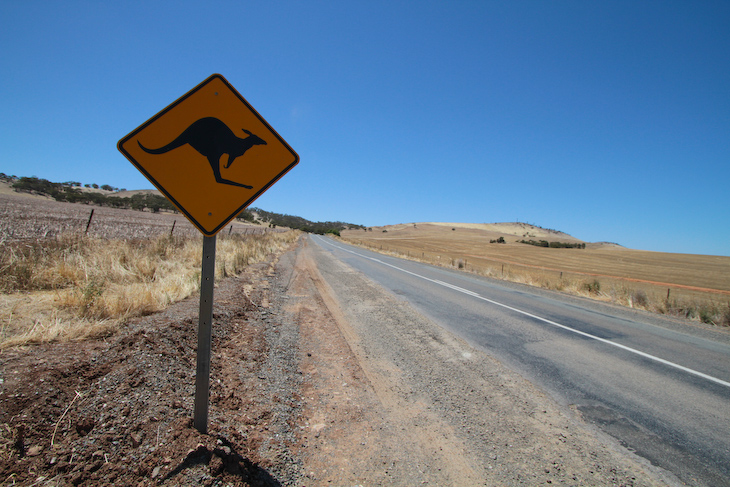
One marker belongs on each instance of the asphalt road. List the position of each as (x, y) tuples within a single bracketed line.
[(659, 386)]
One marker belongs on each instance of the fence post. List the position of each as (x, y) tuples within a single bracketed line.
[(89, 223), (173, 227)]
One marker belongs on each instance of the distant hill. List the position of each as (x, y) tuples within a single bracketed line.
[(504, 232), (523, 230), (73, 192), (290, 221), (150, 200)]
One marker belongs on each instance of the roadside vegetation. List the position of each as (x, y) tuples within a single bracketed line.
[(711, 306), (74, 287), (59, 281)]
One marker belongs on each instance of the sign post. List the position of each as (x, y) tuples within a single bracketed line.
[(205, 332), (188, 151)]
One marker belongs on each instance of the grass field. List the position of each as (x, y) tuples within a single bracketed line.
[(60, 282), (690, 286)]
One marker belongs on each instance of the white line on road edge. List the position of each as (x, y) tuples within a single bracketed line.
[(544, 320)]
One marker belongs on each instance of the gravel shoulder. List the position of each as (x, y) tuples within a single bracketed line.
[(448, 414), (318, 377)]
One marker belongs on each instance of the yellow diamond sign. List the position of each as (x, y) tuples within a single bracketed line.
[(210, 153)]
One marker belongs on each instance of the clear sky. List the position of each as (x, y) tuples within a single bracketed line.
[(606, 120)]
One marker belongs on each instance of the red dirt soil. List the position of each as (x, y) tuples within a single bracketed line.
[(119, 411)]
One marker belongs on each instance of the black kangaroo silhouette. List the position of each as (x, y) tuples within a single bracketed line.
[(212, 138)]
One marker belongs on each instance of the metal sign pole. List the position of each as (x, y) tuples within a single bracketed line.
[(205, 328), (210, 109)]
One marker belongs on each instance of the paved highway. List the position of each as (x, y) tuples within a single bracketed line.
[(659, 386)]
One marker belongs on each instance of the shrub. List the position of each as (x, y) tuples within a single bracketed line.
[(536, 243), (553, 245), (639, 298), (592, 287), (706, 315)]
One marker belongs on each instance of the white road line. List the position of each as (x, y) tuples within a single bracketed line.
[(544, 320)]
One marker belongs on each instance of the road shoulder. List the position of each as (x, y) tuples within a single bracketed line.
[(427, 407)]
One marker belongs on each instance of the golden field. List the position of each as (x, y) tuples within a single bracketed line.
[(59, 281), (685, 285)]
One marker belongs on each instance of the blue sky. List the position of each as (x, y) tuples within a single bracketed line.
[(605, 120)]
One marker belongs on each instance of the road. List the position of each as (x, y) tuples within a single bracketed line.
[(659, 386)]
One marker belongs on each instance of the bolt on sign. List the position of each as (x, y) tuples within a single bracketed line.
[(210, 153)]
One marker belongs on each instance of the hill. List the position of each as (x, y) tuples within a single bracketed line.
[(299, 223), (149, 200), (509, 232), (517, 229)]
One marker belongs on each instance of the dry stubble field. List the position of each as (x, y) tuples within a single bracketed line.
[(685, 285), (60, 281)]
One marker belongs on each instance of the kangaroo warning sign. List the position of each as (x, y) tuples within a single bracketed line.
[(210, 153)]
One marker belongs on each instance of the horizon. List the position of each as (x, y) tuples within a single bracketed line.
[(429, 222), (609, 122)]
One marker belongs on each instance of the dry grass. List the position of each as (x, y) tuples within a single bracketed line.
[(696, 287), (28, 217), (73, 287)]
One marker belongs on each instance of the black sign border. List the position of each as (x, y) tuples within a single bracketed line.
[(187, 95)]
